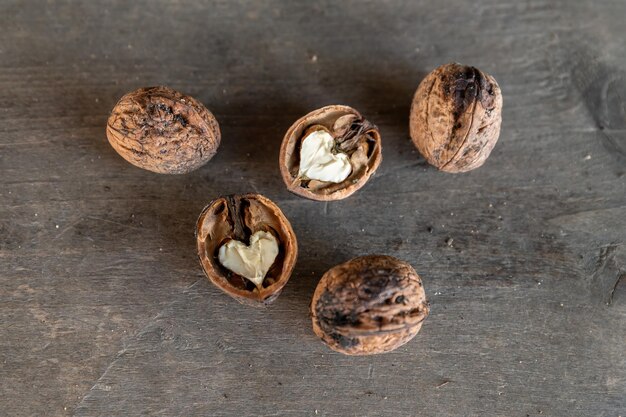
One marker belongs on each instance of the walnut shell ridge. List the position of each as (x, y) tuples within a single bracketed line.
[(368, 305), (365, 157), (218, 223), (163, 131), (455, 117)]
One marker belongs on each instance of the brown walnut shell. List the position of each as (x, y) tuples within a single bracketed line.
[(368, 305), (162, 130), (238, 217), (456, 116), (353, 135)]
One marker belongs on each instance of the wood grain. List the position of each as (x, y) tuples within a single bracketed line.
[(104, 309)]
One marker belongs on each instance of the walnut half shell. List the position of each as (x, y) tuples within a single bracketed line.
[(239, 217), (353, 136), (455, 117), (368, 305), (162, 130)]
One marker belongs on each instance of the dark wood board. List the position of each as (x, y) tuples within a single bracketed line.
[(105, 311)]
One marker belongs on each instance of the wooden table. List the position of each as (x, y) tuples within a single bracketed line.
[(105, 311)]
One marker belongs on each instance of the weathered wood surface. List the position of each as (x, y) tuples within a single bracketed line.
[(104, 310)]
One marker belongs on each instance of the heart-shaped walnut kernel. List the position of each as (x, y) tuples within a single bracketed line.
[(250, 261), (234, 236), (330, 153)]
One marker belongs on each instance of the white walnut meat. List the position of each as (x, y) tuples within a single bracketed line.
[(455, 117), (368, 305), (246, 247), (162, 130), (330, 153), (317, 160), (250, 261)]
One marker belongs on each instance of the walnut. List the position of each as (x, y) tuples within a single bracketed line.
[(162, 130), (371, 304), (330, 153), (456, 116), (247, 247)]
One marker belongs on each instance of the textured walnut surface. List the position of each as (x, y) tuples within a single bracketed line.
[(353, 134), (371, 304), (456, 116), (238, 217), (162, 130)]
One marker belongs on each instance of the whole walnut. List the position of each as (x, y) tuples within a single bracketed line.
[(456, 116), (162, 130), (371, 304)]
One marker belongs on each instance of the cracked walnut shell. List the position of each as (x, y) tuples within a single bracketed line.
[(368, 305), (162, 130), (346, 152), (238, 231), (455, 117)]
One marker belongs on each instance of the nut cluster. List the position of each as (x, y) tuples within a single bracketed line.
[(247, 247)]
